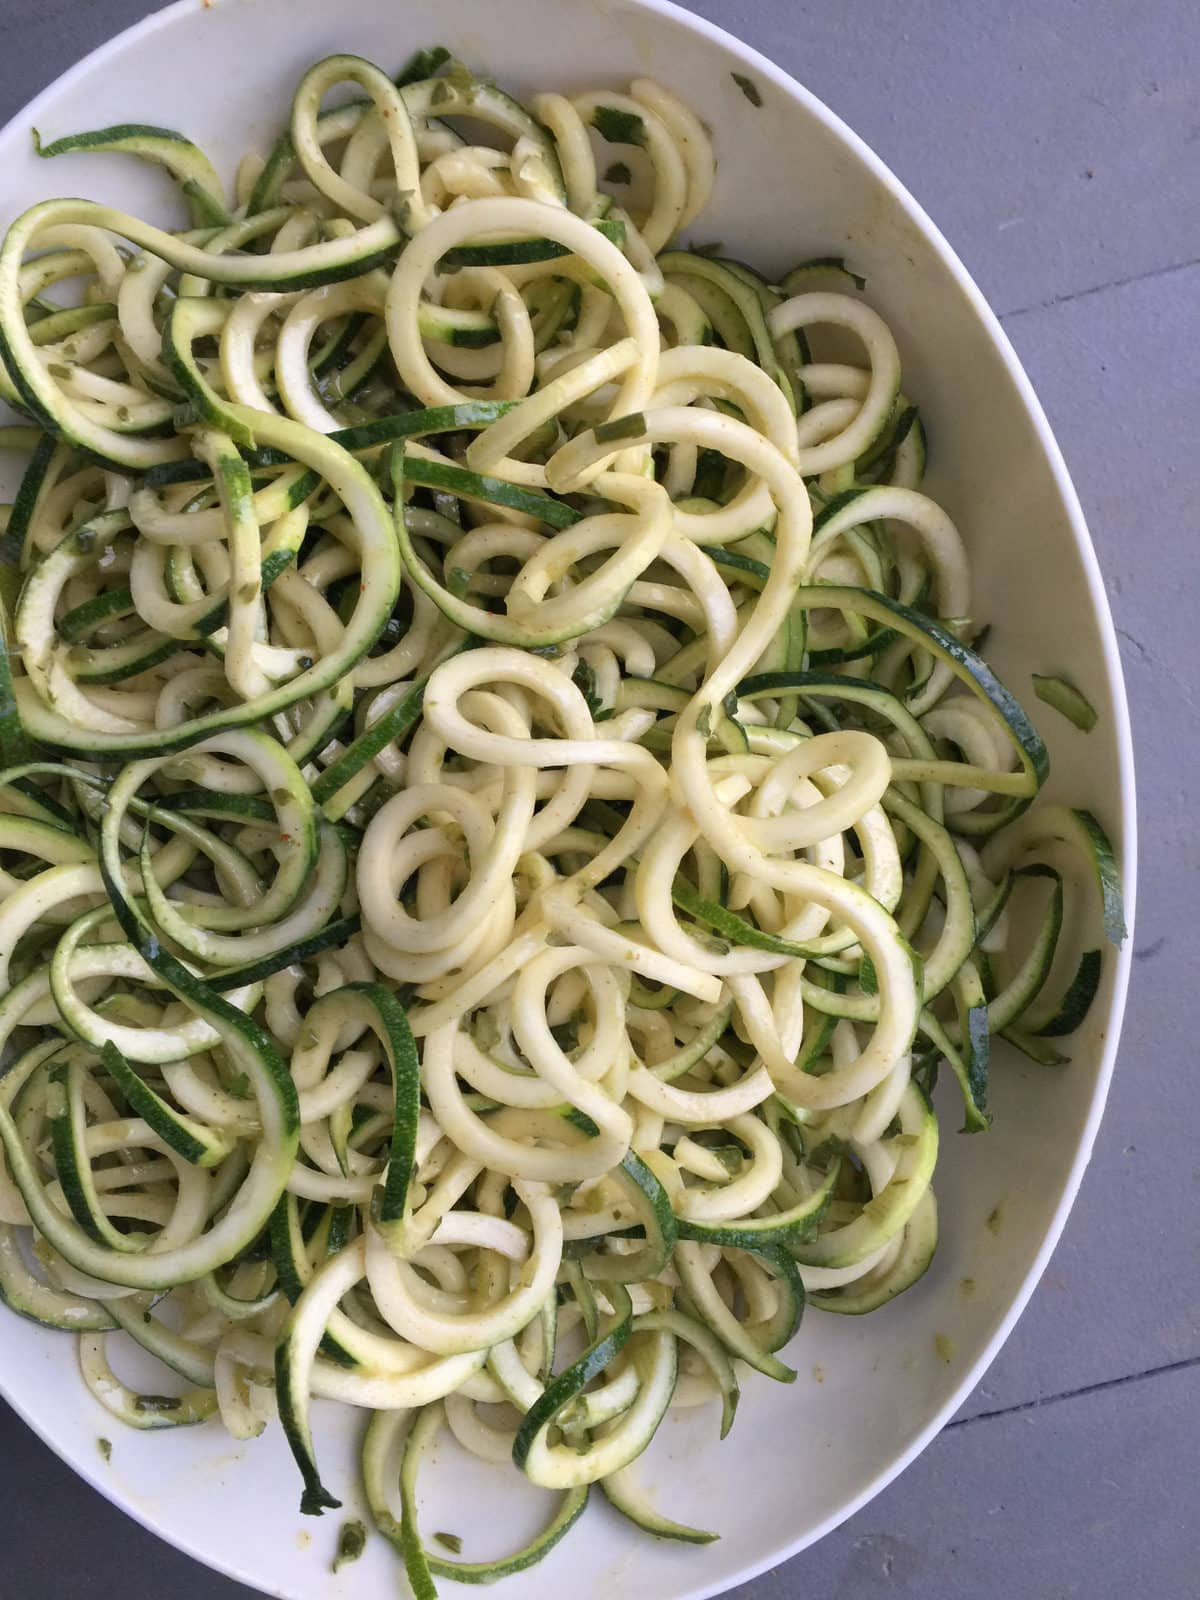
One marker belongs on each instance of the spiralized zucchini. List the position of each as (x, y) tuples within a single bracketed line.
[(502, 819)]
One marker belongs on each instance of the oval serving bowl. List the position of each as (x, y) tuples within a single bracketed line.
[(793, 183)]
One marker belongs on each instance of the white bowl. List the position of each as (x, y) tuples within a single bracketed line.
[(793, 183)]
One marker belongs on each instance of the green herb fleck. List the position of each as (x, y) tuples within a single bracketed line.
[(748, 87), (449, 1541), (584, 679), (618, 127), (830, 1149), (352, 1540), (566, 1036), (629, 427), (105, 1448), (422, 65), (618, 173), (485, 1031), (463, 79), (944, 1347)]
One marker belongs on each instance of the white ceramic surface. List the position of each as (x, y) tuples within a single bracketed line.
[(793, 183)]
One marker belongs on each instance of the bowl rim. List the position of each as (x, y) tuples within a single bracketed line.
[(899, 195)]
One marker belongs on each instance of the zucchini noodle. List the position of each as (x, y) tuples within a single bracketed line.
[(502, 817)]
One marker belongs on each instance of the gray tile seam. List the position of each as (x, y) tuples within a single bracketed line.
[(1098, 288), (1102, 1387)]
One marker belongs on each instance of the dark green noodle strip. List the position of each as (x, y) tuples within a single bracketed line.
[(495, 491), (32, 486), (112, 604), (968, 667), (394, 724), (834, 507), (880, 459), (413, 424), (821, 265), (630, 427), (987, 915), (519, 252), (969, 1064), (169, 473), (571, 1382), (181, 1133), (212, 803), (1107, 875), (331, 937), (14, 746), (774, 1229), (1075, 1004), (58, 325), (736, 562), (416, 424), (115, 664), (732, 927)]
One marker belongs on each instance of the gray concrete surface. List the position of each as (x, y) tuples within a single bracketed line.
[(1057, 143)]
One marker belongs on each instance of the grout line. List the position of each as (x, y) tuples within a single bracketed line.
[(1098, 288), (1075, 1394)]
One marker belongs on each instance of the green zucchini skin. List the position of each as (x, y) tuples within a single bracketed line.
[(188, 165)]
